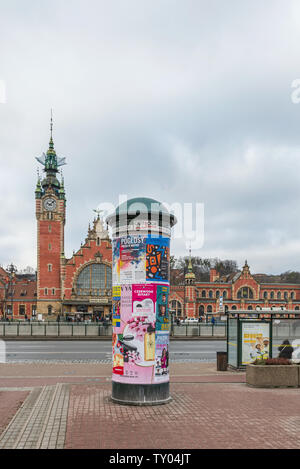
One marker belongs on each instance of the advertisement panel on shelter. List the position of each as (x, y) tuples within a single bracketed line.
[(255, 341)]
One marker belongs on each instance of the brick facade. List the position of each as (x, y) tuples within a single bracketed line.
[(239, 291)]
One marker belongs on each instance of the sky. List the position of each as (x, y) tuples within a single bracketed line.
[(187, 102)]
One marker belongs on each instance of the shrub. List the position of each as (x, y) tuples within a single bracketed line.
[(272, 361)]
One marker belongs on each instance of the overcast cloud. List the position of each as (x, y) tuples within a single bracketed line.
[(181, 101)]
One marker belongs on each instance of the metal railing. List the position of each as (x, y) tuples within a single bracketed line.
[(93, 329)]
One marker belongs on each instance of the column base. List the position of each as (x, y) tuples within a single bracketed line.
[(141, 394)]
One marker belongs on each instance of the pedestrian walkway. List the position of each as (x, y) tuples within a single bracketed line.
[(69, 406)]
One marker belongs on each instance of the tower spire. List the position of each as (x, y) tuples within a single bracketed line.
[(190, 276), (51, 144)]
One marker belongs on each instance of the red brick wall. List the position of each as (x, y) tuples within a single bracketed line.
[(50, 279)]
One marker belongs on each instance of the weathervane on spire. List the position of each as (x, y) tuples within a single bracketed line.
[(50, 161), (98, 212)]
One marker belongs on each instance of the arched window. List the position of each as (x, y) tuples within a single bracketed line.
[(250, 308), (203, 294), (279, 295), (226, 308), (233, 308), (93, 279), (50, 308), (286, 295), (297, 308), (265, 295), (209, 309), (272, 295), (201, 310), (210, 294), (217, 294), (245, 293), (175, 307), (224, 295), (293, 295)]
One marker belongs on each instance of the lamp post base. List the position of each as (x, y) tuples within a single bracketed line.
[(141, 394)]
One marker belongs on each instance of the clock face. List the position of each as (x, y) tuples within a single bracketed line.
[(50, 205)]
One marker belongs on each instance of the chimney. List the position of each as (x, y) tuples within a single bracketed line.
[(213, 275)]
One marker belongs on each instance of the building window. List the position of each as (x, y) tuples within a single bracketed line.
[(46, 291), (22, 310), (292, 295), (53, 291), (93, 279), (286, 295), (49, 228), (250, 308), (224, 295), (50, 216), (50, 309), (201, 310), (210, 294), (33, 310), (279, 295), (49, 267), (272, 295), (217, 294), (233, 308), (245, 293), (50, 247), (203, 294), (209, 309), (98, 241), (176, 308), (297, 308), (265, 295)]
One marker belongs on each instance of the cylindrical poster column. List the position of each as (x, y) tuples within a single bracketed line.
[(141, 322)]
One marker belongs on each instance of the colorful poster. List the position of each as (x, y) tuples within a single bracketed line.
[(116, 261), (162, 308), (116, 306), (161, 357), (132, 259), (117, 353), (143, 301), (255, 341), (157, 259)]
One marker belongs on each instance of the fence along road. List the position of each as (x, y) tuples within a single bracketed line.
[(77, 330)]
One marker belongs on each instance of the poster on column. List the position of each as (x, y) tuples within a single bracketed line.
[(162, 357), (162, 308), (116, 261), (143, 301), (132, 259), (116, 304), (157, 259)]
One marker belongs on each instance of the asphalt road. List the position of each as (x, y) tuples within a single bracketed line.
[(194, 351)]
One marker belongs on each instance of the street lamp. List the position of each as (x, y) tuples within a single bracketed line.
[(11, 269)]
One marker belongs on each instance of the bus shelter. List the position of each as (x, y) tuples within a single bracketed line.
[(258, 334)]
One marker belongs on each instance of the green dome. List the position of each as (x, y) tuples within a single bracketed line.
[(139, 206)]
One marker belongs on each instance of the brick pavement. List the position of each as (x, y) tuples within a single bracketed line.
[(209, 410), (10, 402)]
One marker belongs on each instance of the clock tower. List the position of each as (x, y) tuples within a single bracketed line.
[(50, 214)]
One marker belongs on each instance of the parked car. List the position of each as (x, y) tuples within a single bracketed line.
[(190, 321)]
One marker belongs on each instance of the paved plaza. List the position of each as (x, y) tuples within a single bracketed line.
[(68, 406)]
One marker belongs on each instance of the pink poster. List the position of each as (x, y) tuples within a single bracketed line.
[(134, 347), (144, 301)]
